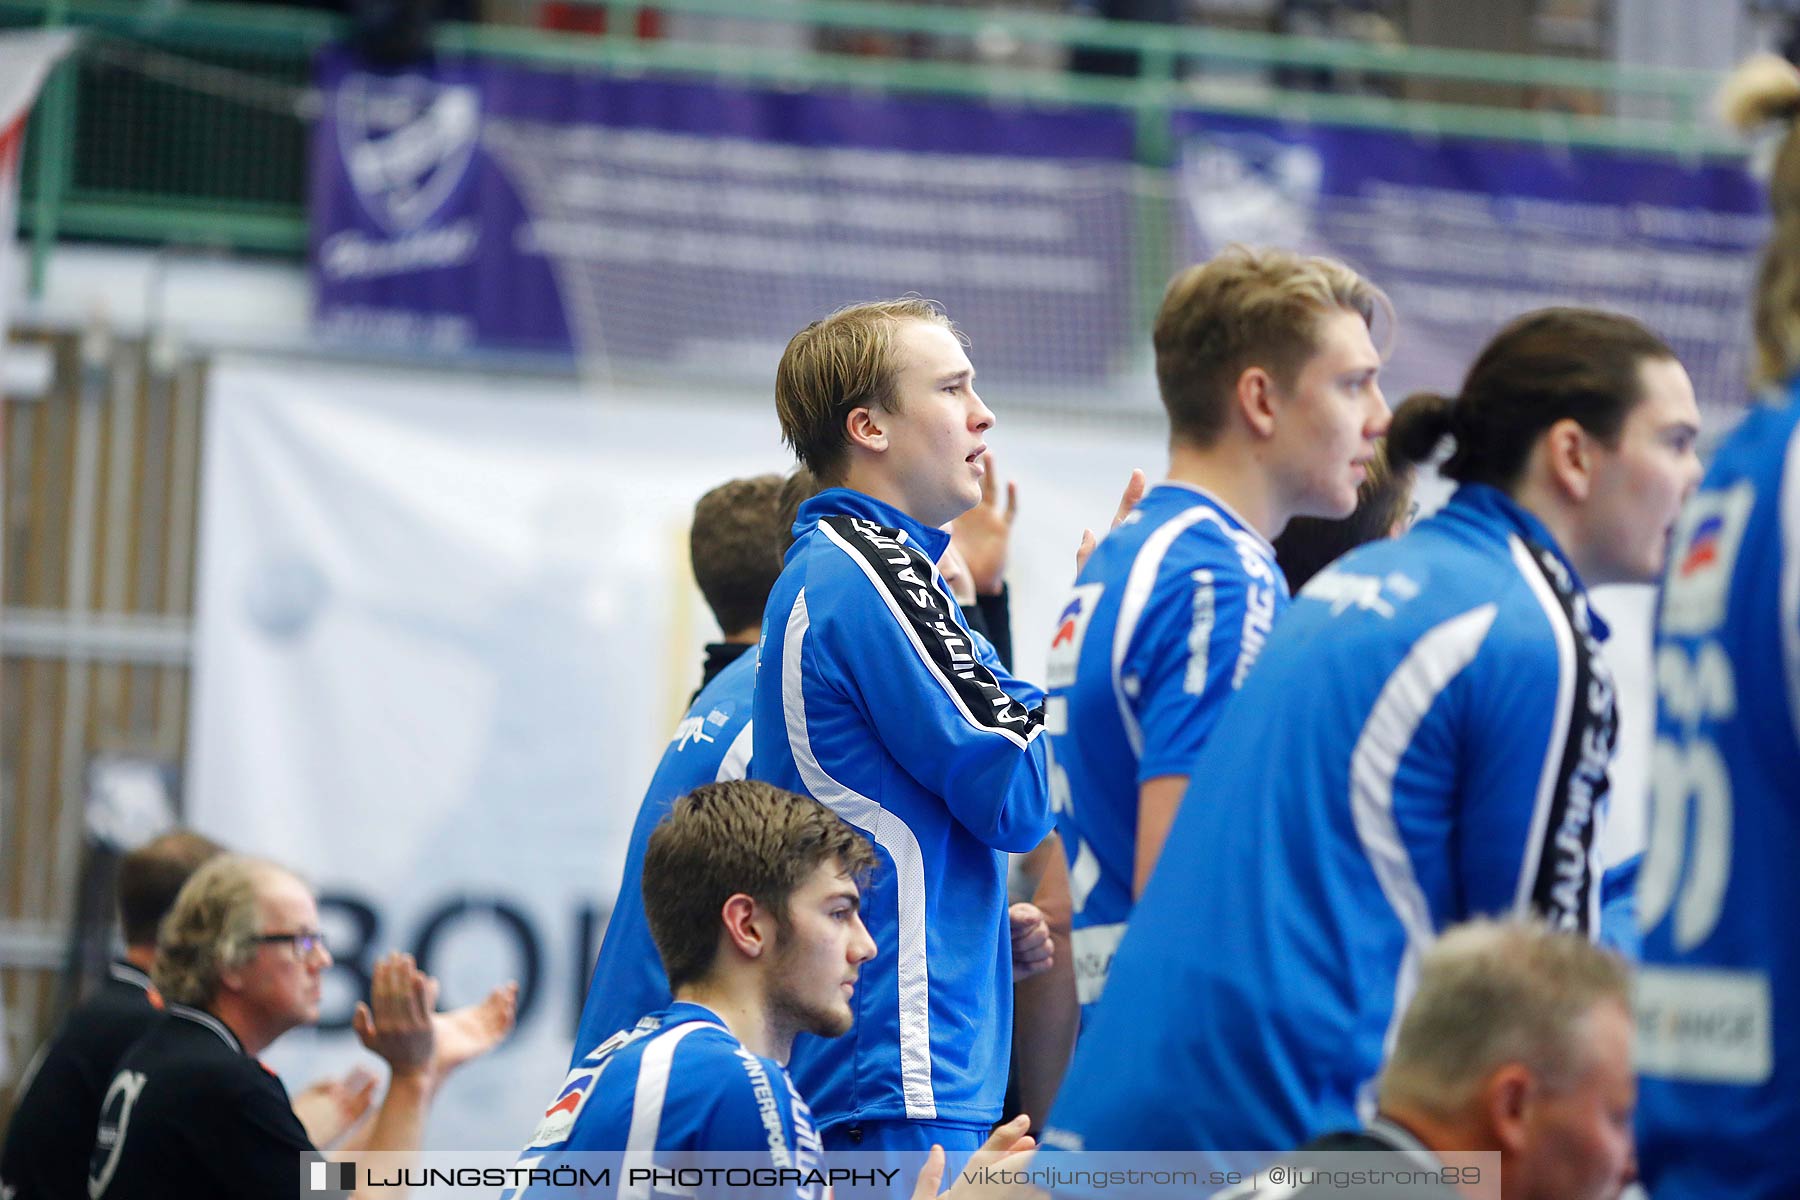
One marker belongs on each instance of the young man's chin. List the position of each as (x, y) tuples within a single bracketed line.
[(835, 1023)]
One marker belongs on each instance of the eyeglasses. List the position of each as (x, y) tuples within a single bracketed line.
[(304, 944)]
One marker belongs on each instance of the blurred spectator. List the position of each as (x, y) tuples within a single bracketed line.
[(52, 1130), (1368, 21), (1097, 60), (192, 1111), (1517, 1041)]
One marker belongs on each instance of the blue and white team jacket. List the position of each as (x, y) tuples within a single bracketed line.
[(677, 1088), (1425, 738), (1718, 996), (711, 744), (1161, 629), (873, 697)]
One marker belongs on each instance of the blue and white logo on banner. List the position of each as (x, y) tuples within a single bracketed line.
[(407, 142), (1251, 188)]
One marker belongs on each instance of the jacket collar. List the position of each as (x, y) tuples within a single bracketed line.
[(1489, 505), (848, 502), (1402, 1139), (1231, 514), (127, 973), (207, 1021)]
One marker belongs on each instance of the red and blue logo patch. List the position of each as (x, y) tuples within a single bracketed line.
[(1068, 624), (1703, 547)]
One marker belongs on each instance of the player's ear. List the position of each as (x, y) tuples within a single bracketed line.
[(1568, 455), (867, 428), (1255, 399), (1507, 1096), (746, 925)]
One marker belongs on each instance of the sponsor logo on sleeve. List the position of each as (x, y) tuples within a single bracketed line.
[(559, 1118), (1071, 631), (115, 1123), (1702, 555), (1200, 633)]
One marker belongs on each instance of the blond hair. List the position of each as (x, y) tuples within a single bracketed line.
[(1497, 992), (212, 928), (836, 365), (1766, 89), (1246, 308)]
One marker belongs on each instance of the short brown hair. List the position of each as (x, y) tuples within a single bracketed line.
[(151, 876), (835, 366), (799, 487), (212, 928), (1245, 308), (735, 547), (731, 837), (1494, 992)]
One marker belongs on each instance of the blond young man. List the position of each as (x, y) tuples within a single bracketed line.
[(873, 697), (1269, 376)]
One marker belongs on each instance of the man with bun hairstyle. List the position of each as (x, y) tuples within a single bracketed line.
[(1719, 992), (1425, 739)]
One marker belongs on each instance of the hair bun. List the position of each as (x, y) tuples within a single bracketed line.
[(1764, 88), (1422, 421)]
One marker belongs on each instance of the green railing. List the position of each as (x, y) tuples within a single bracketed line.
[(187, 122)]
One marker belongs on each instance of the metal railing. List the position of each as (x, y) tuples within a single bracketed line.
[(187, 122)]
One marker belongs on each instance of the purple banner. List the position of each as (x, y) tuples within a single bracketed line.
[(477, 204), (1466, 233)]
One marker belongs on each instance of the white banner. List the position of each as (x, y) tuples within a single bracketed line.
[(445, 627)]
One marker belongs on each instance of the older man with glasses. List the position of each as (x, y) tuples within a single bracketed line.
[(240, 958)]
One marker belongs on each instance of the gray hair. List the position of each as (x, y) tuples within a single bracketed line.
[(1496, 992), (212, 928)]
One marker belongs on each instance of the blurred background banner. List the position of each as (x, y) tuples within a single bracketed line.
[(475, 204), (1465, 234), (698, 225)]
